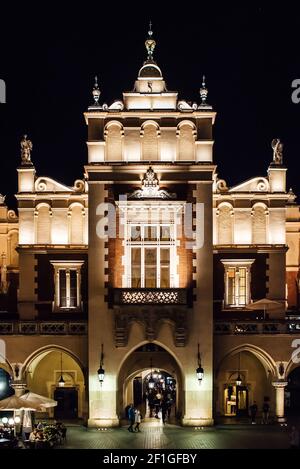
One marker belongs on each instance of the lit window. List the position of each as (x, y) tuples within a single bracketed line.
[(152, 251), (67, 281), (237, 282)]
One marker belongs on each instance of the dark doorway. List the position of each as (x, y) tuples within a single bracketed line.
[(137, 391), (242, 401), (67, 403), (292, 393)]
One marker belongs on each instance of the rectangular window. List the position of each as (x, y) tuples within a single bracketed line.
[(152, 252), (67, 280), (237, 282)]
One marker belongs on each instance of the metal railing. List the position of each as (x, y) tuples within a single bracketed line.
[(150, 296), (256, 327), (43, 328)]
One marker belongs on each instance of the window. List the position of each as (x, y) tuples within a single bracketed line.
[(67, 281), (237, 282), (151, 252)]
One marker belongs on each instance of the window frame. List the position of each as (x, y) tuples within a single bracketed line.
[(237, 265), (67, 266)]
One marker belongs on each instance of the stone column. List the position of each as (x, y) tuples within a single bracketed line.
[(279, 387), (19, 387)]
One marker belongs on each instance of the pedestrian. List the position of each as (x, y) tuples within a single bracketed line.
[(253, 412), (265, 413), (294, 438), (131, 417), (137, 419)]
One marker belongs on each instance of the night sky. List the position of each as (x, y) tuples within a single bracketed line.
[(49, 57)]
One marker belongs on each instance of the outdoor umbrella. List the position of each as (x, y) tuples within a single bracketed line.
[(264, 304), (16, 403), (39, 401)]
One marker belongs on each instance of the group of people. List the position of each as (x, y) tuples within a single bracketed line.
[(265, 412), (160, 403), (43, 435), (135, 417)]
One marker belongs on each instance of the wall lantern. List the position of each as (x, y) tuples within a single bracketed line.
[(199, 370), (61, 382), (238, 381), (101, 371), (151, 382)]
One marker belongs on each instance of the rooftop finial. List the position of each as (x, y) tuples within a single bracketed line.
[(96, 92), (150, 43), (203, 92)]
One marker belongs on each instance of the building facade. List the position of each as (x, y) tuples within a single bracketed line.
[(152, 265)]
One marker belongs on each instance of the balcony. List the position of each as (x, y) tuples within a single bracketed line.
[(43, 328), (150, 296)]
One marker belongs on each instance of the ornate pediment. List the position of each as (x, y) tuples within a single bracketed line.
[(150, 188), (46, 184), (257, 184)]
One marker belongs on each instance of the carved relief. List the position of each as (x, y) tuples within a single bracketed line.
[(151, 318)]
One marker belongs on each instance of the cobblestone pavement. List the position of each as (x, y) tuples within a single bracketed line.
[(173, 437)]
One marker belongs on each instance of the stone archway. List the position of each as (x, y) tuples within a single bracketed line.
[(42, 371), (138, 363), (256, 370)]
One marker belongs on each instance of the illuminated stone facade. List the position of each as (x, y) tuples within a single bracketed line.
[(151, 247)]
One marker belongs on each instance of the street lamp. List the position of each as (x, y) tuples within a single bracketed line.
[(101, 371), (199, 370)]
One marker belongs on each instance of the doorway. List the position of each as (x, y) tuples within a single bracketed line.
[(292, 393), (236, 401), (67, 403)]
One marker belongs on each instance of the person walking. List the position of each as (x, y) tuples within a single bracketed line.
[(265, 413), (131, 417), (253, 412), (138, 419)]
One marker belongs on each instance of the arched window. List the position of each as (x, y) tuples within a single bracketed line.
[(259, 225), (225, 224), (114, 142), (76, 224), (43, 221), (186, 142), (150, 142)]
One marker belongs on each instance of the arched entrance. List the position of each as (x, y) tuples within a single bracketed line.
[(241, 379), (150, 378), (292, 393), (55, 373)]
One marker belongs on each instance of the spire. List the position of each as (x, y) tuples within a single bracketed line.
[(96, 92), (203, 92), (150, 43)]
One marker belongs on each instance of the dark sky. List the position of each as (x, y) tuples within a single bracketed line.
[(49, 56)]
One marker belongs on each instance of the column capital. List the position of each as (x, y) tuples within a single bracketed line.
[(280, 384), (19, 387)]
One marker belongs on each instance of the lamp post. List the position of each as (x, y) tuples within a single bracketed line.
[(199, 370), (101, 371)]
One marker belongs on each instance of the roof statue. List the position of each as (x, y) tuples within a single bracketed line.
[(26, 148), (277, 151)]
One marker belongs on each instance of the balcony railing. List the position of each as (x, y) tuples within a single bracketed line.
[(150, 296), (43, 328), (258, 327)]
